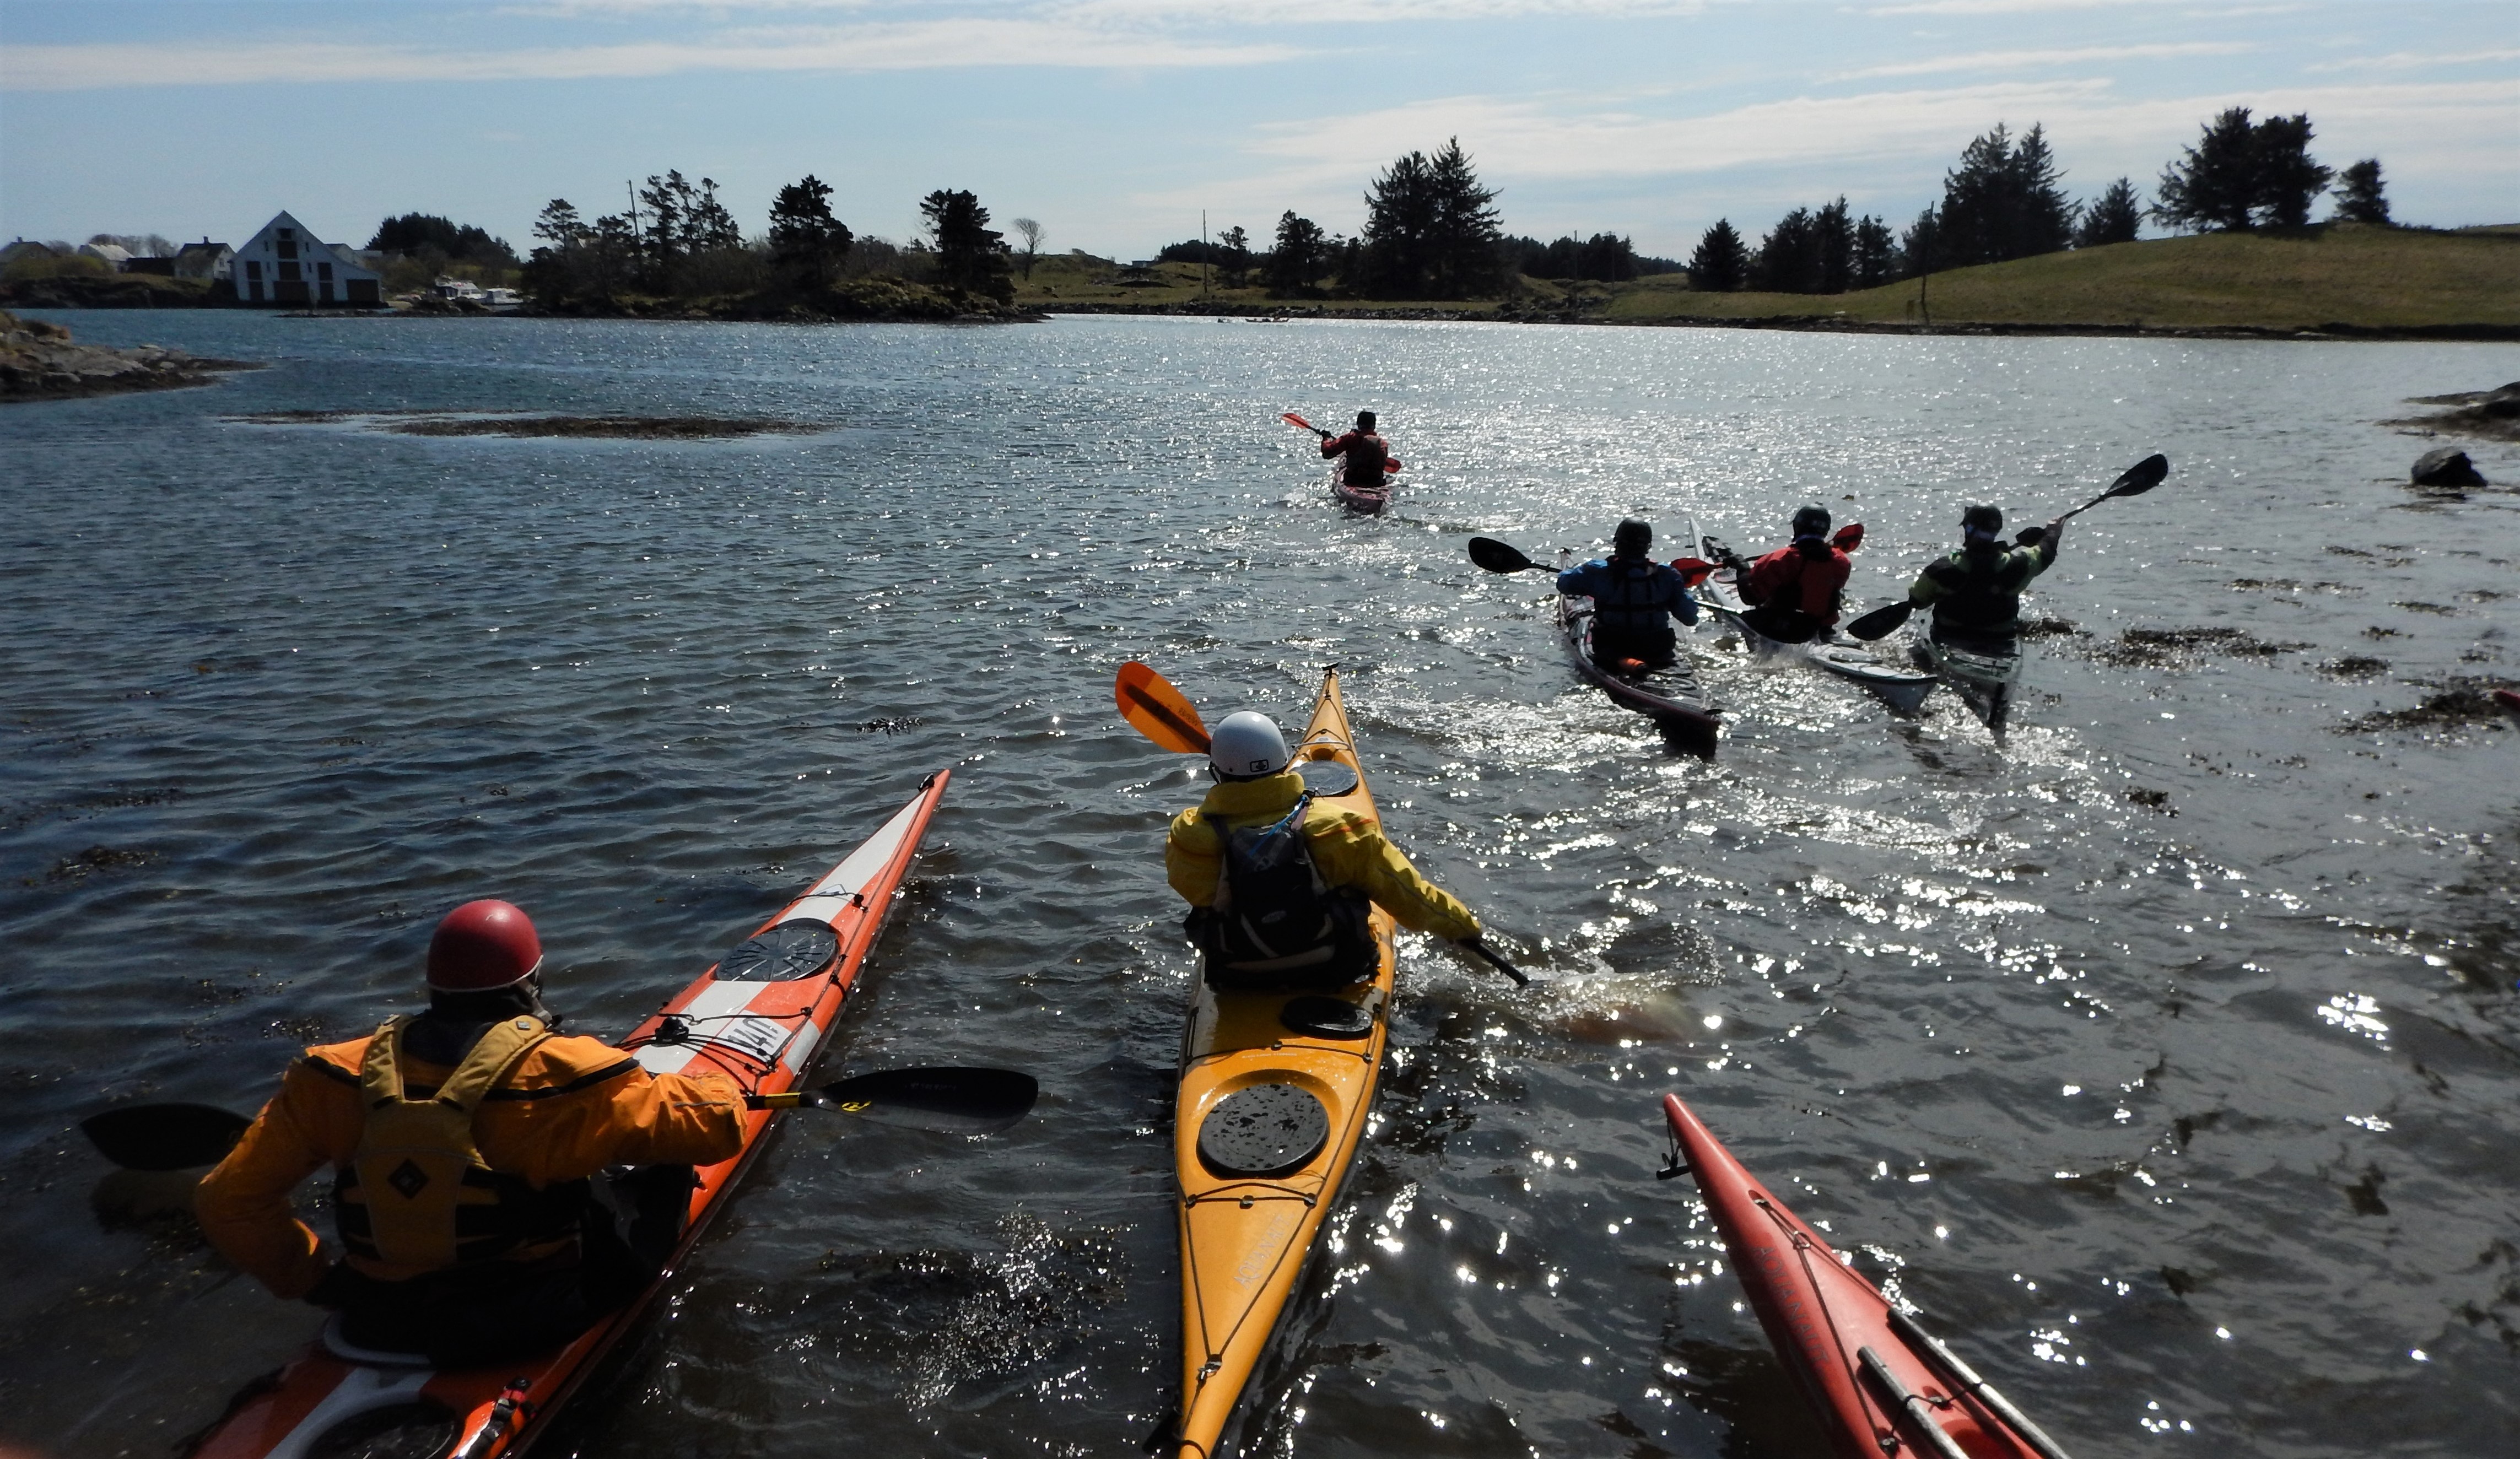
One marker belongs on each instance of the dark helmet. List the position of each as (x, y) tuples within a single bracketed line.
[(1812, 521), (1365, 419), (1634, 536), (1982, 517), (482, 946)]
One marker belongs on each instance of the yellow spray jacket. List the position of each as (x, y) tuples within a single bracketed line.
[(1347, 850), (573, 1106)]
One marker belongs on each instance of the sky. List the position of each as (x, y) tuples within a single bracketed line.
[(1115, 123)]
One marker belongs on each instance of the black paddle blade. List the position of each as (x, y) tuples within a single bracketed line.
[(971, 1100), (1497, 556), (2142, 478), (1880, 621), (165, 1136)]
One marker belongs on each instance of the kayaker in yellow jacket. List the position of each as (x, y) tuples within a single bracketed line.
[(465, 1143), (1267, 917)]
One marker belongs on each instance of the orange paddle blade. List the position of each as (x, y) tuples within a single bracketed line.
[(1148, 701), (1848, 538), (1692, 570), (1292, 419)]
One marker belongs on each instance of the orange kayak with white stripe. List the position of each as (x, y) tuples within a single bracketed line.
[(762, 1015)]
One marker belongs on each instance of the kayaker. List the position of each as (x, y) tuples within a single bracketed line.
[(1976, 592), (463, 1143), (1368, 456), (1273, 908), (1633, 597), (1795, 591)]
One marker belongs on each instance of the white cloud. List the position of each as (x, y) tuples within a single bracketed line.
[(2408, 60), (885, 46), (2005, 60)]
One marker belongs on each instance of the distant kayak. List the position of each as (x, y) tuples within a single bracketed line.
[(2509, 700), (1903, 689), (1878, 1381), (1367, 500), (1672, 695)]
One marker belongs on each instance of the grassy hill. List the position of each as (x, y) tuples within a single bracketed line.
[(2360, 278)]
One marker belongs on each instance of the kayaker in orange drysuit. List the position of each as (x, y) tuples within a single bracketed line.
[(467, 1144), (1278, 902), (1794, 591), (1368, 456)]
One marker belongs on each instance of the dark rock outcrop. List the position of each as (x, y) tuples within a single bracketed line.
[(2493, 414), (2447, 467), (38, 361)]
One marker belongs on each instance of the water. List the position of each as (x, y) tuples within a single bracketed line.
[(2190, 1121)]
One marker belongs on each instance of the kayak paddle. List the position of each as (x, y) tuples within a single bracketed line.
[(2135, 481), (1497, 556), (1292, 419), (187, 1136), (1164, 714)]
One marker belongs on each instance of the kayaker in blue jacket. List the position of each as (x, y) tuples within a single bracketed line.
[(1633, 599)]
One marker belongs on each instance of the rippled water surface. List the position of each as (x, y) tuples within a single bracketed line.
[(2165, 1057)]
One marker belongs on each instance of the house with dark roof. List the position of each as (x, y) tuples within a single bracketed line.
[(286, 264), (204, 260)]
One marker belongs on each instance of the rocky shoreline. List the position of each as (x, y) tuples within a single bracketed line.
[(39, 362)]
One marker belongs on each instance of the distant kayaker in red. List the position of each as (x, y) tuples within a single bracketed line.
[(1368, 456), (465, 1144), (1795, 591)]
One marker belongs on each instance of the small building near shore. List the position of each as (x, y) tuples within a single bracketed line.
[(286, 264), (23, 250), (204, 260), (111, 255)]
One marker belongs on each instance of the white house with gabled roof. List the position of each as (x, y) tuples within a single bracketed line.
[(286, 264)]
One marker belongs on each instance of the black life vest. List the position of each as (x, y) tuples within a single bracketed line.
[(1983, 589), (1637, 598), (1367, 455), (1275, 921)]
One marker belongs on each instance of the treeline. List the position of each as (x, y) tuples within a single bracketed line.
[(680, 242), (2004, 199)]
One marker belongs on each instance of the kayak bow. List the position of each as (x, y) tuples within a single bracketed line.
[(761, 1014), (1878, 1383), (1300, 1070)]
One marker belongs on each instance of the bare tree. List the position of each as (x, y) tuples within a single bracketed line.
[(1031, 233)]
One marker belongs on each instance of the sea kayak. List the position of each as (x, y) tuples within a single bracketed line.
[(1903, 689), (2509, 700), (1672, 695), (1275, 1089), (1985, 682), (1877, 1381), (1366, 499), (760, 1014)]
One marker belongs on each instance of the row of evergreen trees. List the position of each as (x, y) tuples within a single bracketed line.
[(678, 241), (2005, 201)]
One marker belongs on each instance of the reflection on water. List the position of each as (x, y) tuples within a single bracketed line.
[(2163, 1056)]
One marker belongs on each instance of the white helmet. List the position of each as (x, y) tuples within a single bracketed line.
[(1247, 745)]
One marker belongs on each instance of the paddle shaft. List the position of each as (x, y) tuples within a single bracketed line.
[(1497, 963)]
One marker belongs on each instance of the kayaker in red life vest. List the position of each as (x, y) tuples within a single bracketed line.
[(1368, 455), (1795, 593), (1633, 599), (1287, 910), (467, 1144)]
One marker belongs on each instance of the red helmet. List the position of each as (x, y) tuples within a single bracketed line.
[(482, 946)]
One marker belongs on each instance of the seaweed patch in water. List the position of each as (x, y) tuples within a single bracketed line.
[(101, 859), (2151, 800), (2354, 666), (2050, 628), (2458, 702), (2178, 647), (521, 424), (892, 724), (2425, 607)]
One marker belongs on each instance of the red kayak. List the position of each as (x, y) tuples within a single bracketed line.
[(1878, 1381), (761, 1014), (2509, 700)]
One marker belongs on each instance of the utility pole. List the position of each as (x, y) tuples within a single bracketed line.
[(1203, 253)]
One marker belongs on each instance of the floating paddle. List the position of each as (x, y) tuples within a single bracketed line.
[(2135, 481), (1164, 714), (187, 1136), (1497, 556)]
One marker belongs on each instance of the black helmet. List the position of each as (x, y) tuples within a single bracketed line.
[(1985, 518), (1365, 419), (1634, 536), (1812, 521)]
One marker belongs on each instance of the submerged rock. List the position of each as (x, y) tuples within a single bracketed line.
[(2446, 466)]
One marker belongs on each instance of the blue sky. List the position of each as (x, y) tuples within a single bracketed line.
[(1115, 121)]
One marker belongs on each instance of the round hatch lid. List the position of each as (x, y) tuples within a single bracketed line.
[(1264, 1130), (792, 950)]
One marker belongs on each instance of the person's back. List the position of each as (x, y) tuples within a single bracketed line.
[(1367, 456), (1796, 593), (1975, 591), (463, 1143), (1633, 599), (1264, 922)]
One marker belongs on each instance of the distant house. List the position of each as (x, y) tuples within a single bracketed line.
[(113, 255), (23, 250), (204, 260), (286, 264)]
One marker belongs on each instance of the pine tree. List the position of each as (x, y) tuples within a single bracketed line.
[(1430, 230), (1788, 259), (1295, 259), (2113, 218), (1832, 248), (2002, 201), (1876, 254), (1468, 257), (1921, 247), (1721, 263), (804, 237), (2287, 177), (2359, 198), (971, 256), (2214, 183)]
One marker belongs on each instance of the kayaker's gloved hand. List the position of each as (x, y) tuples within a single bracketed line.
[(2056, 534)]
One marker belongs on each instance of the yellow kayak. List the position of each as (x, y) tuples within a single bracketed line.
[(1275, 1087)]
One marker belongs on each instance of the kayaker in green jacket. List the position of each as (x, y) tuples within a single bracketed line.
[(1976, 592)]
